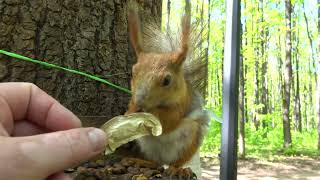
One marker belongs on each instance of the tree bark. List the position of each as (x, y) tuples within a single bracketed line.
[(241, 101), (256, 109), (89, 36), (311, 67), (220, 75), (318, 79), (256, 91), (297, 102), (264, 66), (310, 42), (287, 77), (280, 81), (305, 112), (246, 111), (168, 18)]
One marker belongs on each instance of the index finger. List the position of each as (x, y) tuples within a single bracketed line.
[(25, 101)]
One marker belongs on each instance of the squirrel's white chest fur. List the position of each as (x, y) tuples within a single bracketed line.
[(165, 149)]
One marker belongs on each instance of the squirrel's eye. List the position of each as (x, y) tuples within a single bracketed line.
[(167, 80)]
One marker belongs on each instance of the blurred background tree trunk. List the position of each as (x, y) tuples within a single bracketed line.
[(318, 79), (287, 77), (89, 36)]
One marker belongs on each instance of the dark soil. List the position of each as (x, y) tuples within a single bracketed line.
[(114, 167)]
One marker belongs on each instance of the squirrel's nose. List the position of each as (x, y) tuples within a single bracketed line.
[(140, 98)]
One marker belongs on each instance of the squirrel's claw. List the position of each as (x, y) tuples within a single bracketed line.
[(139, 162), (182, 173)]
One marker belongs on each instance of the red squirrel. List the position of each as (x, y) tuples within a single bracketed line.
[(165, 82)]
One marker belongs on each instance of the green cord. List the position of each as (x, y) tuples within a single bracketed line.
[(17, 56)]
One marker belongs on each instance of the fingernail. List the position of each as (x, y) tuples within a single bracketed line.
[(97, 139)]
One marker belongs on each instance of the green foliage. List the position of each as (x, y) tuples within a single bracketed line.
[(266, 142), (212, 141), (263, 40)]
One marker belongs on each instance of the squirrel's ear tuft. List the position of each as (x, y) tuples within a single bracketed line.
[(181, 55), (134, 26)]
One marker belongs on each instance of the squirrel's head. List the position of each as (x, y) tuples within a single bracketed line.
[(157, 78)]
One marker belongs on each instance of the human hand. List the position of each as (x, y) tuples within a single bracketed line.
[(37, 135)]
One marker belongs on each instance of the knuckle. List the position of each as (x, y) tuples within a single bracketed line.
[(30, 85)]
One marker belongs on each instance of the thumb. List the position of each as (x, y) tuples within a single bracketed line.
[(45, 154)]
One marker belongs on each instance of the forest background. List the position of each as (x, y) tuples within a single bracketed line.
[(278, 90)]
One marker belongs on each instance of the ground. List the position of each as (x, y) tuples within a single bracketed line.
[(280, 168)]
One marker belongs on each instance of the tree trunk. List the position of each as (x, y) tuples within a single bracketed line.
[(318, 80), (246, 111), (272, 102), (241, 102), (311, 67), (287, 77), (256, 110), (256, 92), (280, 81), (310, 102), (89, 36), (305, 112), (169, 12), (297, 103), (310, 42), (264, 66), (220, 75)]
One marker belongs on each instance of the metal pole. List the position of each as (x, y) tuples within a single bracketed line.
[(228, 163)]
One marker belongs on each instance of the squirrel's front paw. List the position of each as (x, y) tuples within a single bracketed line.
[(182, 173), (139, 162)]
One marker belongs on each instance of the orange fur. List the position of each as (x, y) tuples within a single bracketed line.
[(131, 108), (134, 29), (170, 104), (171, 116), (182, 54)]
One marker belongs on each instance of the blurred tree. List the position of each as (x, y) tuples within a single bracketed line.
[(318, 82), (287, 76), (256, 46), (168, 15), (311, 64), (296, 80), (241, 100), (89, 36)]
